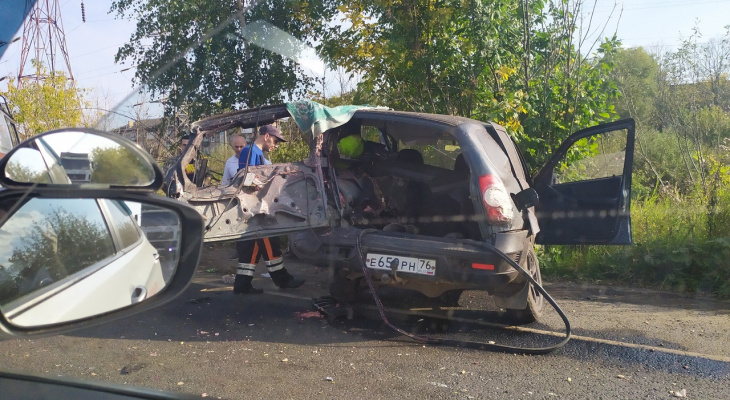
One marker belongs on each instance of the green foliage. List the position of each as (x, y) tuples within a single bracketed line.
[(20, 172), (658, 162), (292, 151), (217, 160), (73, 241), (717, 198), (507, 60), (295, 149), (598, 156), (174, 51), (60, 244), (636, 75), (40, 106), (119, 166)]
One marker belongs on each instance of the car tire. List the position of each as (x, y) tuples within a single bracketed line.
[(535, 299)]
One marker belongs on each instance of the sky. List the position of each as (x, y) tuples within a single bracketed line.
[(653, 24)]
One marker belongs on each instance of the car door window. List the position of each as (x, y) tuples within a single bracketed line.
[(121, 222), (598, 156), (585, 188), (48, 240)]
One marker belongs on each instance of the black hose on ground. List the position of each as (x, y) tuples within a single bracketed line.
[(487, 346)]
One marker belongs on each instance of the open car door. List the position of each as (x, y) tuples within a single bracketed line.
[(587, 200)]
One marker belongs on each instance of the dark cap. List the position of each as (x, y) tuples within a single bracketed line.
[(273, 131)]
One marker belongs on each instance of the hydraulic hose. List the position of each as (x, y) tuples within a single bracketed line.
[(488, 346)]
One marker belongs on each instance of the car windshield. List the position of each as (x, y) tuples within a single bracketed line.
[(411, 185)]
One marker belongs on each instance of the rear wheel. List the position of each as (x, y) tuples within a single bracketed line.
[(535, 299)]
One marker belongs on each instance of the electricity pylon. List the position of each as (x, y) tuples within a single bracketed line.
[(43, 37)]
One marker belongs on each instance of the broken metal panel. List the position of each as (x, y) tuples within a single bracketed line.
[(284, 198), (244, 118), (279, 199)]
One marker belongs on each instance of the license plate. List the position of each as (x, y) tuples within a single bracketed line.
[(421, 266)]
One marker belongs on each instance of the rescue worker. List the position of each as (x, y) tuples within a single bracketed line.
[(250, 251), (231, 166)]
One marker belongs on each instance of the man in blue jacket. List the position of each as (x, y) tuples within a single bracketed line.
[(250, 251)]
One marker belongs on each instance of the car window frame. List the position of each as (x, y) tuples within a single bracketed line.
[(117, 239)]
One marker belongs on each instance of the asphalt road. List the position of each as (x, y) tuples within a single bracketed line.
[(627, 344)]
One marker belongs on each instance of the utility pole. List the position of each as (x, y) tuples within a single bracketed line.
[(43, 36)]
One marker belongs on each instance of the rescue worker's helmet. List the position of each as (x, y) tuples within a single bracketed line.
[(351, 147)]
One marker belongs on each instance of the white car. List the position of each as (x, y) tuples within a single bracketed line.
[(97, 250)]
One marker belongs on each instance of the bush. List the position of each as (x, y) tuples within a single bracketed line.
[(217, 160), (659, 153), (293, 150)]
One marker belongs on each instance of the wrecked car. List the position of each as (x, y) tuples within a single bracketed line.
[(431, 203)]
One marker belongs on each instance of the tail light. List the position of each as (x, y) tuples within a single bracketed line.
[(496, 200)]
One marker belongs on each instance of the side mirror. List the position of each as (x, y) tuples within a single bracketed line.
[(80, 157), (70, 261)]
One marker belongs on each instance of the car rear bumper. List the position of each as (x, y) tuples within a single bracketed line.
[(458, 261)]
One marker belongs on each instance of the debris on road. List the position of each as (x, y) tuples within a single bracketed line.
[(679, 393), (199, 300), (332, 308), (308, 314), (128, 369)]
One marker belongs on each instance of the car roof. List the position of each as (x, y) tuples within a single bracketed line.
[(406, 126), (268, 114), (413, 117), (414, 127)]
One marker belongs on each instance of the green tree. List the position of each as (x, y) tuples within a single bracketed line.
[(19, 172), (195, 52), (44, 105), (513, 61), (636, 74), (60, 244), (119, 166), (692, 103)]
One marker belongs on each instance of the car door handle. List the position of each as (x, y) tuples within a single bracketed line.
[(138, 294)]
